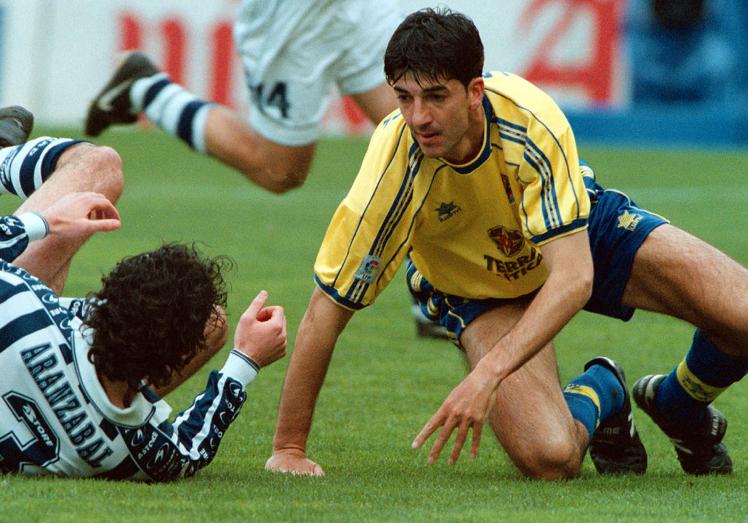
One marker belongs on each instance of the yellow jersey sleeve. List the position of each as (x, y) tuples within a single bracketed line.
[(369, 234), (538, 141), (554, 200)]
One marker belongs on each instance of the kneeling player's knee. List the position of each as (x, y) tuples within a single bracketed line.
[(558, 458)]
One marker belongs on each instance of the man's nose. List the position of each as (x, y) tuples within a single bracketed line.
[(421, 113)]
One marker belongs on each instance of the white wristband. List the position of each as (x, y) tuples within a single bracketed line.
[(35, 224), (240, 367)]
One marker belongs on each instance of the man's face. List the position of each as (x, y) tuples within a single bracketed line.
[(438, 114)]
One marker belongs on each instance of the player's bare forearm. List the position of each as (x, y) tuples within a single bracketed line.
[(565, 292), (318, 332)]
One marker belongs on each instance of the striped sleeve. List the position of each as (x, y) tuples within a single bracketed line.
[(554, 201), (17, 231), (167, 451), (369, 234), (14, 237)]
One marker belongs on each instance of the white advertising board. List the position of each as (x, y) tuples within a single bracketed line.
[(55, 54)]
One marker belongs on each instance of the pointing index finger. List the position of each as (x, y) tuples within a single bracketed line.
[(258, 303)]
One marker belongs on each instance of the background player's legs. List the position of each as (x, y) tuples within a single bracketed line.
[(137, 85), (82, 167), (219, 131), (271, 165), (529, 414), (278, 168), (376, 103)]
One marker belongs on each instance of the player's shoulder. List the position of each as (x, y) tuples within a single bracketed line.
[(516, 99), (391, 148), (392, 133), (392, 123)]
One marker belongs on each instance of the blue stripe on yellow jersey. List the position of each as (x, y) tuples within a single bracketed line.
[(473, 230)]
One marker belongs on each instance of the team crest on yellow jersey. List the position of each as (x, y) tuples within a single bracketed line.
[(628, 220), (507, 241)]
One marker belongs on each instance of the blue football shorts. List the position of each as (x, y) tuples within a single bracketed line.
[(617, 228)]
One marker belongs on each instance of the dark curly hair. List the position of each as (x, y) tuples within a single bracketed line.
[(149, 318), (434, 44)]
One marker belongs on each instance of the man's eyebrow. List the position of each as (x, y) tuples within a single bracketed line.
[(434, 88), (427, 90)]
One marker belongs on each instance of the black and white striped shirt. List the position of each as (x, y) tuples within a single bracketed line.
[(55, 417)]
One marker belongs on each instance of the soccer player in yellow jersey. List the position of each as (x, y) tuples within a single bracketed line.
[(476, 184)]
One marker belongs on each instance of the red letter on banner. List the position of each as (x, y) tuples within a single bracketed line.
[(596, 76)]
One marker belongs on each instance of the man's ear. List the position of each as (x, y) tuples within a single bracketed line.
[(475, 90)]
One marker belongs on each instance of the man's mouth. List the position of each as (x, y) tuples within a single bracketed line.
[(426, 136)]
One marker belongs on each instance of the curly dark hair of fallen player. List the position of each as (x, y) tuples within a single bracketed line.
[(149, 318)]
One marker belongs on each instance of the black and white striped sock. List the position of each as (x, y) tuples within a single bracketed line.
[(172, 108)]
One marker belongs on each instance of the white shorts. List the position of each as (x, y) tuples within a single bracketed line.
[(294, 51)]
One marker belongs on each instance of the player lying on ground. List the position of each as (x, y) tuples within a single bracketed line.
[(76, 375), (478, 180)]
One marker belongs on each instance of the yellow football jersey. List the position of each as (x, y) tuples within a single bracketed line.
[(473, 230)]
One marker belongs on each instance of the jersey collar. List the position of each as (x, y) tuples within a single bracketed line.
[(140, 410), (485, 151)]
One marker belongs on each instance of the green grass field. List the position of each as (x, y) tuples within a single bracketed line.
[(384, 383)]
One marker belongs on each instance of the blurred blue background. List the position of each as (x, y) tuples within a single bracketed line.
[(689, 77)]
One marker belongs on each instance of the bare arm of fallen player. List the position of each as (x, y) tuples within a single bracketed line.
[(564, 293)]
